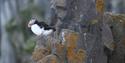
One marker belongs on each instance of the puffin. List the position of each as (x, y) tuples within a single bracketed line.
[(40, 28)]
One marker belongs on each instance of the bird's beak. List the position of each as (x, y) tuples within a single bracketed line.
[(31, 22)]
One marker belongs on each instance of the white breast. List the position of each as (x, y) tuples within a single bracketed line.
[(36, 29)]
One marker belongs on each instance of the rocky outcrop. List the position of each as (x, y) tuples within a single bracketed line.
[(59, 50)]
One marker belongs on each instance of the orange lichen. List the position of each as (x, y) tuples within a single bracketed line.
[(68, 49), (71, 55), (78, 57), (39, 53), (71, 44), (59, 48), (71, 39), (113, 45), (100, 6)]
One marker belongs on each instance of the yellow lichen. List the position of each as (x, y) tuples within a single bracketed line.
[(123, 41), (81, 55), (113, 45), (100, 6), (94, 21), (49, 44), (53, 60)]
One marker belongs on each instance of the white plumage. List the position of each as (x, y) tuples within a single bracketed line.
[(40, 28), (47, 32), (36, 29)]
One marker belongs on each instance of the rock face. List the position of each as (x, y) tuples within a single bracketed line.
[(82, 35), (78, 35), (59, 51)]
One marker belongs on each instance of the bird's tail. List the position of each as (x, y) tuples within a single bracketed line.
[(54, 29)]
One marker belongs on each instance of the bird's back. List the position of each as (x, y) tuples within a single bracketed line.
[(42, 24)]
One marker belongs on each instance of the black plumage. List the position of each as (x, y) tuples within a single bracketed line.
[(43, 24)]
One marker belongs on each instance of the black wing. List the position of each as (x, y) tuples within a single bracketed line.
[(47, 28), (41, 24)]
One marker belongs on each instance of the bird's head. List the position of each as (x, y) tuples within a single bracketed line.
[(31, 22)]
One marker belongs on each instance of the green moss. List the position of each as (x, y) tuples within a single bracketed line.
[(29, 46), (38, 11), (11, 26), (25, 16)]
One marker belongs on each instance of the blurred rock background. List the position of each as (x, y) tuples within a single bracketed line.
[(18, 42)]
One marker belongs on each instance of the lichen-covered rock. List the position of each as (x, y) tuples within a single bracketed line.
[(60, 52), (39, 53), (71, 39), (100, 6), (55, 50), (49, 59), (81, 56)]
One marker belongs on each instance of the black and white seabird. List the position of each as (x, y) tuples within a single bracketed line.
[(40, 28)]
